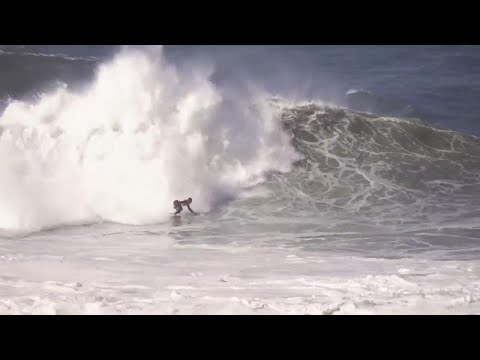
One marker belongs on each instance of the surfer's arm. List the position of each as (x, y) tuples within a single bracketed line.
[(193, 212)]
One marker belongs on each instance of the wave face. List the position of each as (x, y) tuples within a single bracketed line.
[(380, 170), (141, 135)]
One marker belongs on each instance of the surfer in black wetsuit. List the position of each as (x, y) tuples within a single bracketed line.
[(177, 205)]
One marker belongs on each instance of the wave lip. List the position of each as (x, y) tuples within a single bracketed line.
[(367, 101)]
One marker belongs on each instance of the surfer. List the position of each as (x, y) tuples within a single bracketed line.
[(177, 205)]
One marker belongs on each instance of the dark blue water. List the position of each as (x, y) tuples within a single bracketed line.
[(439, 84)]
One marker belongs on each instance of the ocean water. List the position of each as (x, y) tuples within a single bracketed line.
[(327, 179)]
